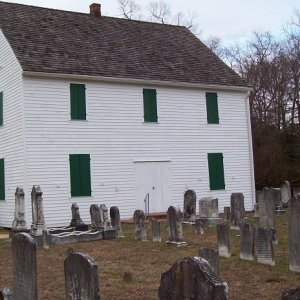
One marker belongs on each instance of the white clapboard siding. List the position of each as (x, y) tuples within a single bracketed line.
[(11, 133), (115, 137)]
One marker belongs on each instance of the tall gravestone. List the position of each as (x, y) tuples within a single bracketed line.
[(247, 241), (189, 206), (81, 277), (212, 256), (223, 240), (264, 247), (19, 223), (266, 208), (155, 225), (237, 210), (76, 220), (276, 194), (192, 278), (116, 220), (24, 267), (294, 233), (96, 217), (226, 215), (174, 219), (286, 194), (38, 220), (139, 223), (104, 217)]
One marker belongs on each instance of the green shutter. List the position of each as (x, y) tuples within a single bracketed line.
[(2, 180), (150, 105), (216, 171), (212, 108), (85, 175), (80, 175), (1, 108), (78, 102)]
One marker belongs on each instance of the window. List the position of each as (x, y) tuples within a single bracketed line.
[(2, 180), (216, 171), (78, 105), (80, 175), (1, 108), (212, 108), (150, 105)]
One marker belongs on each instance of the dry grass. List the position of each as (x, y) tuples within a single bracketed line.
[(146, 261)]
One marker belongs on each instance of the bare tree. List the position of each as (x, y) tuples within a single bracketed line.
[(129, 9), (160, 12)]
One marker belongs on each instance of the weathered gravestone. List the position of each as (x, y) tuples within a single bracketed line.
[(247, 241), (155, 225), (96, 217), (226, 215), (104, 217), (266, 208), (256, 211), (24, 267), (223, 240), (294, 233), (264, 246), (286, 193), (237, 210), (189, 206), (212, 256), (276, 194), (38, 220), (209, 211), (174, 219), (293, 294), (116, 220), (81, 277), (6, 294), (139, 222), (76, 220), (19, 223), (199, 227), (192, 278)]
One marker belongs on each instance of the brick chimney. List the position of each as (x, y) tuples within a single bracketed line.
[(95, 10)]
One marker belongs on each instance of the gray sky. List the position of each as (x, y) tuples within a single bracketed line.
[(228, 19)]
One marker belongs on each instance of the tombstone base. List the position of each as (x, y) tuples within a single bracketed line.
[(189, 222), (110, 234), (295, 269), (224, 251), (266, 262), (247, 257), (37, 229), (279, 212), (233, 227), (178, 244), (210, 222)]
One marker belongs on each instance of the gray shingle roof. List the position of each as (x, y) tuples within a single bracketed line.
[(55, 41)]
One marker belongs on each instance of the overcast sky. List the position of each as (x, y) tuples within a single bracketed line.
[(229, 20)]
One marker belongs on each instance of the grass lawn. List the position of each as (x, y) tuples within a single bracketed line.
[(146, 261)]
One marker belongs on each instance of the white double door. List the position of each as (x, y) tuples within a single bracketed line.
[(153, 179)]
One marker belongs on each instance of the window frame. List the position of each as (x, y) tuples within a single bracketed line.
[(212, 108), (2, 180), (150, 108), (78, 103), (216, 169)]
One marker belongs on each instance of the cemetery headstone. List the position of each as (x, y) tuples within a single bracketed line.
[(294, 233), (189, 206), (296, 190), (116, 220), (264, 247), (24, 267), (256, 211), (276, 194), (139, 222), (223, 240), (212, 256), (174, 219), (247, 241), (192, 278), (6, 294), (286, 193), (96, 217), (209, 211), (81, 277), (76, 220), (155, 225), (226, 215), (45, 239), (237, 210), (199, 227), (104, 216), (293, 294), (38, 220), (19, 223)]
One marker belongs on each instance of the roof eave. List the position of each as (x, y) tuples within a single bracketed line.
[(139, 81)]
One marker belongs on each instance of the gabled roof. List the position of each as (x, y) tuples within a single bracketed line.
[(55, 41)]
